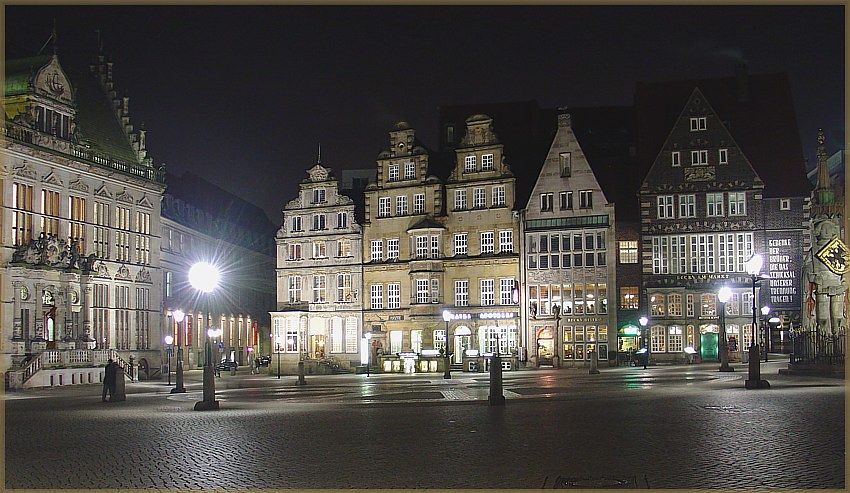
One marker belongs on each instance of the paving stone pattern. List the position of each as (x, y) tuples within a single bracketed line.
[(686, 427)]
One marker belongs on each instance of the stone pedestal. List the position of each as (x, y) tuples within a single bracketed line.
[(120, 390)]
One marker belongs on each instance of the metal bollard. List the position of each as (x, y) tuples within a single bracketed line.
[(496, 397), (754, 381)]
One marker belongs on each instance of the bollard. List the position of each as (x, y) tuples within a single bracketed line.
[(594, 363), (301, 380), (754, 381), (120, 388), (233, 369), (496, 397)]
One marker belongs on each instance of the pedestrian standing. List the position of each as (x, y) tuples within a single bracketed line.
[(257, 365), (109, 380)]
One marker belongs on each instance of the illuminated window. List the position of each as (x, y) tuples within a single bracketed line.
[(674, 305), (629, 298), (50, 209), (461, 292), (22, 220), (656, 303), (674, 338), (628, 251), (77, 225), (708, 305), (657, 339), (395, 341)]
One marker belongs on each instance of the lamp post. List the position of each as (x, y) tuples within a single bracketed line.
[(277, 350), (643, 321), (754, 381), (723, 295), (368, 352), (168, 341), (178, 386), (204, 277), (447, 373)]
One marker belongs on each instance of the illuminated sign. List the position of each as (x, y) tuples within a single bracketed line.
[(496, 315), (630, 330), (784, 268)]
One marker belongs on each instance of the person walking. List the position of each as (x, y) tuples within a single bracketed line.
[(109, 380)]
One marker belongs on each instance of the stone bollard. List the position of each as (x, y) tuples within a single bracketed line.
[(496, 397), (233, 369), (594, 363), (301, 380), (120, 386)]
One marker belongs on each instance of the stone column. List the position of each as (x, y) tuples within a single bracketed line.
[(17, 327), (85, 312), (38, 316)]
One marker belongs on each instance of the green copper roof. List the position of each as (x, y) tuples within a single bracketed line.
[(18, 73)]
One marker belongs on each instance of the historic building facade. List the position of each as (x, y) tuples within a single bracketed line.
[(81, 216), (569, 263), (482, 247), (241, 250), (403, 253), (702, 218), (319, 278)]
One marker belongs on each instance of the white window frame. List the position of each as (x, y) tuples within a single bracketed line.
[(723, 156), (460, 199), (409, 170), (392, 173), (737, 203), (698, 123), (376, 296), (585, 199), (423, 291), (714, 204), (461, 243), (394, 295), (506, 288), (469, 165), (487, 162), (487, 242), (487, 292), (506, 241), (294, 289), (675, 158), (377, 250), (461, 292), (383, 207), (419, 203), (401, 205), (687, 205), (392, 248), (699, 157), (546, 200), (665, 208), (479, 198)]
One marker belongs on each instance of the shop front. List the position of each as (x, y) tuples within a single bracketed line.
[(628, 341)]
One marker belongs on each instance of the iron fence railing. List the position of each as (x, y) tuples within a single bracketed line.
[(817, 347)]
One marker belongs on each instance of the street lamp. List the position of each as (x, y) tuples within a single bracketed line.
[(277, 350), (178, 387), (643, 321), (204, 277), (447, 316), (724, 295), (168, 341), (368, 352), (754, 381)]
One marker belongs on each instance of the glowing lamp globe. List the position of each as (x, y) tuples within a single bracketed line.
[(204, 277)]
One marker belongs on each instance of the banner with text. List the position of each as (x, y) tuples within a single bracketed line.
[(784, 265)]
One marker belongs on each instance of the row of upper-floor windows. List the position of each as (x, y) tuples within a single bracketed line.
[(479, 198), (701, 304), (566, 250), (473, 163), (701, 253), (317, 288), (503, 291), (318, 249), (699, 157), (395, 170), (430, 246), (571, 298), (402, 205), (107, 237), (319, 221), (565, 200), (717, 204)]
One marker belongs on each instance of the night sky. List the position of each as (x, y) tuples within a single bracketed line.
[(243, 95)]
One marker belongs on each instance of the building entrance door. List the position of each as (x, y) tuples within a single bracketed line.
[(545, 351), (317, 347), (462, 343), (708, 346)]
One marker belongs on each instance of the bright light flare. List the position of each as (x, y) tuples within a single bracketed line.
[(204, 277)]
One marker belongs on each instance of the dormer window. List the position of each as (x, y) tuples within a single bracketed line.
[(392, 174), (53, 122), (319, 196), (469, 164), (487, 162), (409, 170)]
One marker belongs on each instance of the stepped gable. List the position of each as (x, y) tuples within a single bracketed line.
[(757, 110)]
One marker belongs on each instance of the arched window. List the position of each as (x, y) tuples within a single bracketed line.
[(656, 303)]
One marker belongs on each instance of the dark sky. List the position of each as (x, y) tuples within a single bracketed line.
[(242, 95)]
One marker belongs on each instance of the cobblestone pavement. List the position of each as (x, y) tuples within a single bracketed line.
[(665, 427)]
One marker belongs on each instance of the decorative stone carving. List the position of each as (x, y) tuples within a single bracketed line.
[(102, 270), (125, 196), (143, 275), (25, 170), (79, 185), (123, 273), (700, 173), (103, 192), (52, 179)]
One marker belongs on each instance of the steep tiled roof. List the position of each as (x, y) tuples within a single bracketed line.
[(763, 123)]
